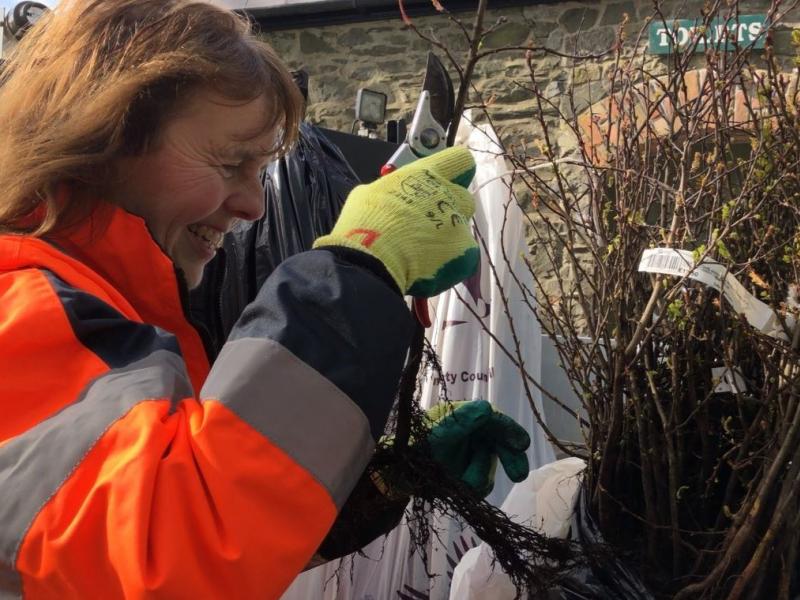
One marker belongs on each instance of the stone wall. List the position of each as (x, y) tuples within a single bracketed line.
[(388, 57)]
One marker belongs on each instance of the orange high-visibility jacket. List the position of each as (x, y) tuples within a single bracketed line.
[(129, 468)]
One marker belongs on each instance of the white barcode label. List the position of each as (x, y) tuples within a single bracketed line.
[(680, 263), (669, 262)]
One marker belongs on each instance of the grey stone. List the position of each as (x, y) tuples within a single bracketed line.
[(454, 40), (362, 73), (282, 42), (681, 9), (489, 67), (565, 140), (552, 94), (313, 44), (587, 71), (528, 141), (540, 31), (516, 94), (543, 12), (354, 37), (782, 39), (555, 40), (614, 13), (380, 29), (541, 259), (408, 40), (524, 198), (756, 6), (518, 112), (404, 99), (587, 94), (555, 87), (328, 89), (578, 19), (516, 71), (512, 13), (509, 34), (547, 63), (595, 41), (786, 63), (373, 52), (394, 66), (565, 107)]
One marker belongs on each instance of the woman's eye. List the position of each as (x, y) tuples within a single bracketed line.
[(228, 171)]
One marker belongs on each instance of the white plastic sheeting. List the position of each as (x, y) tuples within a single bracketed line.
[(473, 367), (473, 363)]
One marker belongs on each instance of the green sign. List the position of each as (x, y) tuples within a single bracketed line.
[(720, 34)]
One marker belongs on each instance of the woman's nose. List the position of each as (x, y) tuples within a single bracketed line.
[(247, 202)]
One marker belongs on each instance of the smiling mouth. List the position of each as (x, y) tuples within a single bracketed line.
[(210, 237)]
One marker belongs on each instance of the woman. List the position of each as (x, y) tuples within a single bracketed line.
[(132, 135)]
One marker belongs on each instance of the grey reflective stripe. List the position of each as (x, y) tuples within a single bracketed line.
[(35, 464), (294, 406)]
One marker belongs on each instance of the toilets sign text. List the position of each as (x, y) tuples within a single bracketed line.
[(722, 34)]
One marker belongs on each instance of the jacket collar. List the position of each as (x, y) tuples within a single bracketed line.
[(118, 247)]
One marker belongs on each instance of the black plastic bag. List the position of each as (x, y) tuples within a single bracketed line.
[(304, 193), (604, 579)]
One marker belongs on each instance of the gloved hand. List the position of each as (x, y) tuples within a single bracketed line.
[(416, 222), (467, 438)]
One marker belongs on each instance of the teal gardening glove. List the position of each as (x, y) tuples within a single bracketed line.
[(467, 438)]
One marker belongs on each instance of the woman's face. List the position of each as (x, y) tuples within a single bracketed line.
[(202, 175)]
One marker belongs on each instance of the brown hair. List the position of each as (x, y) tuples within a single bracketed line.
[(95, 80)]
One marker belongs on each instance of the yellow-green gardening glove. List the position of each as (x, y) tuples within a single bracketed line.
[(416, 222), (467, 438)]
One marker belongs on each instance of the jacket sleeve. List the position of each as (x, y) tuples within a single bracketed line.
[(367, 515), (140, 487)]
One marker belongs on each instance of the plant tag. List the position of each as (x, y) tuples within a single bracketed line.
[(680, 263), (730, 381)]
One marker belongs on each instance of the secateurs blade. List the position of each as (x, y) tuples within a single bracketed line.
[(428, 131)]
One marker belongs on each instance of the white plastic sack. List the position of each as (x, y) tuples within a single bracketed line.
[(545, 501)]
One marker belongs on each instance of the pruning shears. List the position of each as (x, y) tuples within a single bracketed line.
[(427, 135)]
